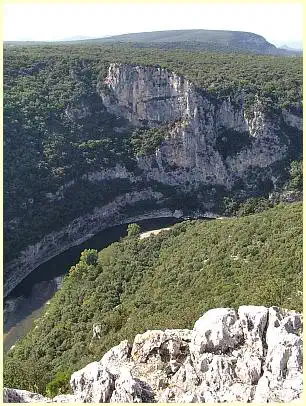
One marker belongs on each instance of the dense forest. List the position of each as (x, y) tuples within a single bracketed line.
[(165, 281), (48, 143)]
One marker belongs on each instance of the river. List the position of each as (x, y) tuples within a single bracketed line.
[(28, 300)]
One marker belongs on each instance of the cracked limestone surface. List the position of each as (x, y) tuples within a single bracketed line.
[(250, 355)]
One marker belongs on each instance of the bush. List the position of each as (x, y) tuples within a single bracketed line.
[(133, 229), (89, 257), (296, 176), (59, 384)]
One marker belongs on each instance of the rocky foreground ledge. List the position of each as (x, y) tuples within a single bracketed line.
[(253, 355)]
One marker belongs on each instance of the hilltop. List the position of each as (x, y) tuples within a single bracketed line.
[(202, 40), (209, 40)]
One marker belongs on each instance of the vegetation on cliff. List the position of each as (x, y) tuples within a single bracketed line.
[(56, 127), (166, 281)]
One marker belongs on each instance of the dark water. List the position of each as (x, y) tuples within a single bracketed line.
[(26, 302)]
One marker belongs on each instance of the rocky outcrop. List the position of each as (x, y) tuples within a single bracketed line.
[(21, 396), (250, 355), (153, 96)]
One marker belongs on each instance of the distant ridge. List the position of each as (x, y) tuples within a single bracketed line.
[(201, 40), (210, 40), (290, 48)]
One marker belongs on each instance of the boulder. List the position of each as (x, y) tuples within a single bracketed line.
[(128, 389), (218, 330), (169, 346), (116, 357), (22, 396), (92, 384), (282, 378)]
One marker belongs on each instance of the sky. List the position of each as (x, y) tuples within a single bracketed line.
[(279, 23)]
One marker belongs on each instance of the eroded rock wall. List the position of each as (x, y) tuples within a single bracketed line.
[(153, 96)]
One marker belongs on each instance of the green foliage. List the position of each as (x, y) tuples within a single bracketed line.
[(146, 141), (59, 384), (232, 207), (32, 375), (229, 206), (166, 281), (89, 257), (296, 176), (57, 129), (253, 205), (133, 229)]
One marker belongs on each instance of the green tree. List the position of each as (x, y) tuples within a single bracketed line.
[(30, 375), (89, 257), (133, 229), (296, 175), (58, 385)]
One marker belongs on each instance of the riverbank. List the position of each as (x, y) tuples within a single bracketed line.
[(27, 301), (56, 243), (153, 232)]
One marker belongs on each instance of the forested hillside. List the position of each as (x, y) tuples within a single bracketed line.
[(166, 281), (204, 40), (49, 143), (200, 40)]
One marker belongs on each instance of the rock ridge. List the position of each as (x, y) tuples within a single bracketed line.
[(250, 355)]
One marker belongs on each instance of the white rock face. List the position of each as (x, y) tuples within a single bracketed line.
[(154, 96), (217, 331), (92, 384), (282, 377), (22, 396), (253, 355)]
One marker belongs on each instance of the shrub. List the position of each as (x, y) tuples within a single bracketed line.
[(59, 384), (133, 229), (89, 257)]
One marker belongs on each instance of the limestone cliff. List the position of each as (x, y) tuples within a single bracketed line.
[(209, 143), (253, 355), (153, 96)]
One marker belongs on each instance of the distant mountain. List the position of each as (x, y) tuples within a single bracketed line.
[(210, 40), (198, 40), (291, 48)]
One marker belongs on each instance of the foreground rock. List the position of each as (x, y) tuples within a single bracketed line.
[(253, 355)]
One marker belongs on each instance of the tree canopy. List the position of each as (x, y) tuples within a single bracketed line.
[(164, 281)]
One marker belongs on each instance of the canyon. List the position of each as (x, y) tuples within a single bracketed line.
[(210, 144)]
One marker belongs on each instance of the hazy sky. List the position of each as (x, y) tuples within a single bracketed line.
[(279, 24)]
